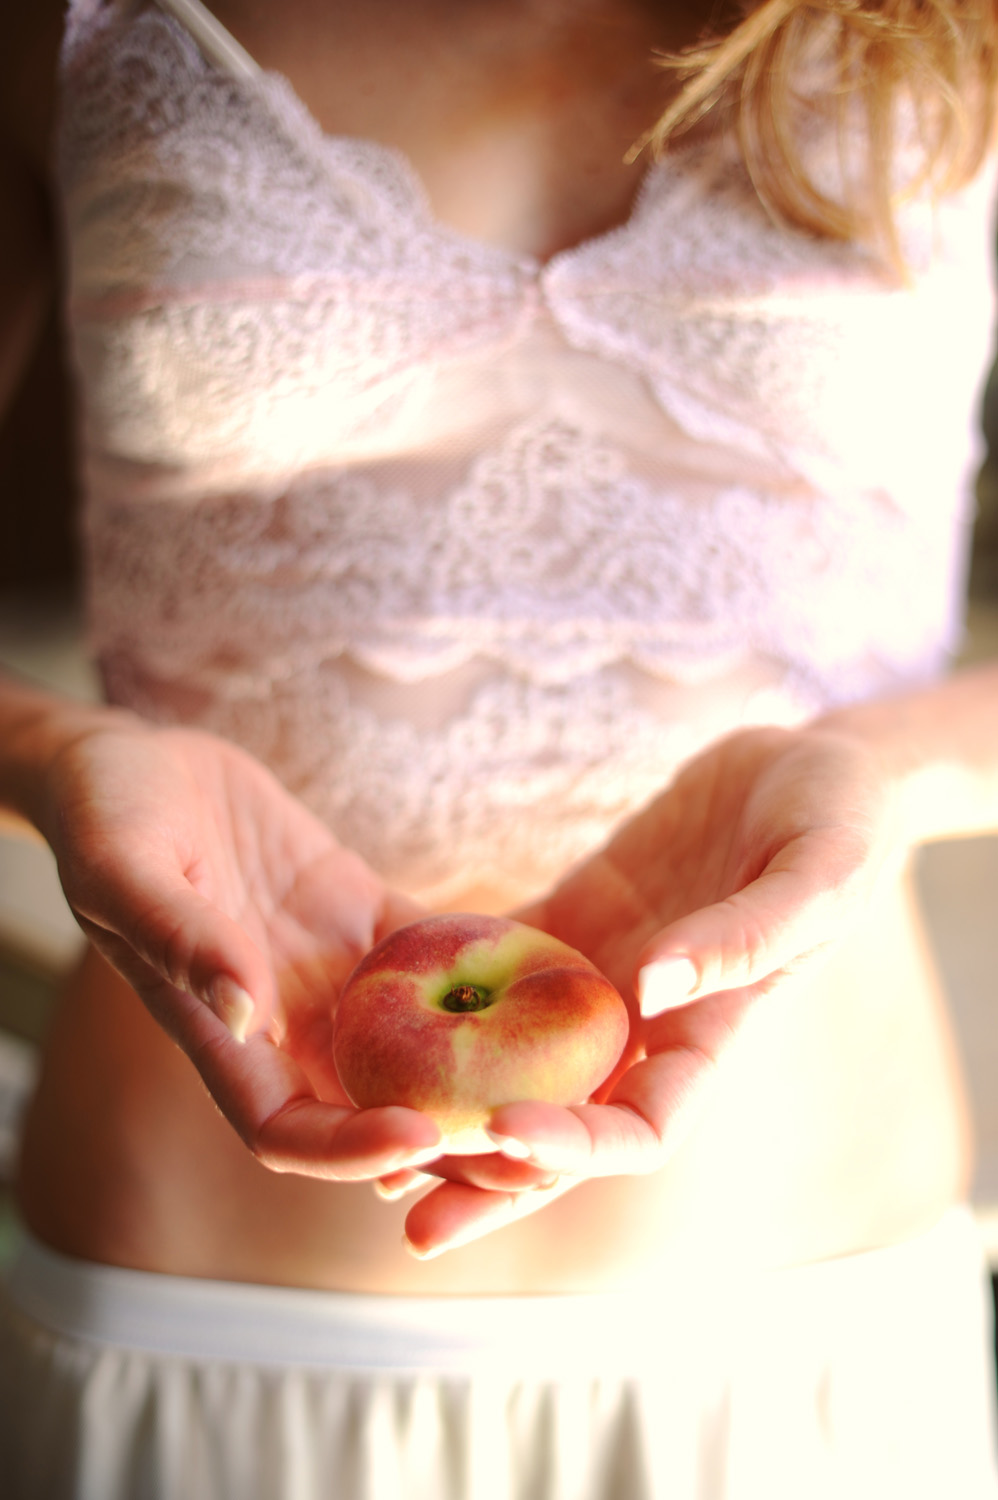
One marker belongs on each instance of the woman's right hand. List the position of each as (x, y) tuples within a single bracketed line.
[(236, 916)]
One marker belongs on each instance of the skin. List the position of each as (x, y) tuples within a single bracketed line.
[(806, 1103)]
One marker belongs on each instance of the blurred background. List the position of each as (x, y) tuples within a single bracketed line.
[(40, 636)]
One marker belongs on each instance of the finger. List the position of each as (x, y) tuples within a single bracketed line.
[(315, 1139), (395, 1185), (778, 923), (494, 1172), (586, 1140), (456, 1214), (153, 923), (265, 1094), (651, 1108)]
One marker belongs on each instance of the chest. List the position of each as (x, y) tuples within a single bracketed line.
[(516, 116), (250, 290)]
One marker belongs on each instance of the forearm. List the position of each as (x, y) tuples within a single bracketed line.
[(940, 746)]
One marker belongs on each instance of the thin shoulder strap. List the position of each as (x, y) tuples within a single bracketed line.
[(218, 45)]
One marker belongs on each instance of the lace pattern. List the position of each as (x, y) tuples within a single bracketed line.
[(523, 782), (550, 559), (274, 622), (346, 465)]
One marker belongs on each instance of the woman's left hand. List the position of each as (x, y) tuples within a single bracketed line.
[(748, 868)]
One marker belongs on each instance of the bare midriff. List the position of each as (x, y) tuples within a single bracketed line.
[(837, 1124)]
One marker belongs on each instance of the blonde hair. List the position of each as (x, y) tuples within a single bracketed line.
[(939, 55)]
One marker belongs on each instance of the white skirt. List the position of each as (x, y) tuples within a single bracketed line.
[(867, 1378)]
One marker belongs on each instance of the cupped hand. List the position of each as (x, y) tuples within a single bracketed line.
[(743, 873), (236, 916)]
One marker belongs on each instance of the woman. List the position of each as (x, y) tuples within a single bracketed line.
[(475, 476)]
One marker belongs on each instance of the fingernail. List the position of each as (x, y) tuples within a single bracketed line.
[(549, 1180), (666, 984), (430, 1254), (233, 1006), (509, 1145), (393, 1193)]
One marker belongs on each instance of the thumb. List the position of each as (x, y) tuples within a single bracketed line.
[(777, 924)]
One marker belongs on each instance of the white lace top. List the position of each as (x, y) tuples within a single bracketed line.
[(470, 549)]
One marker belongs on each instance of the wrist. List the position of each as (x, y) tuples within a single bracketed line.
[(36, 728), (938, 751)]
